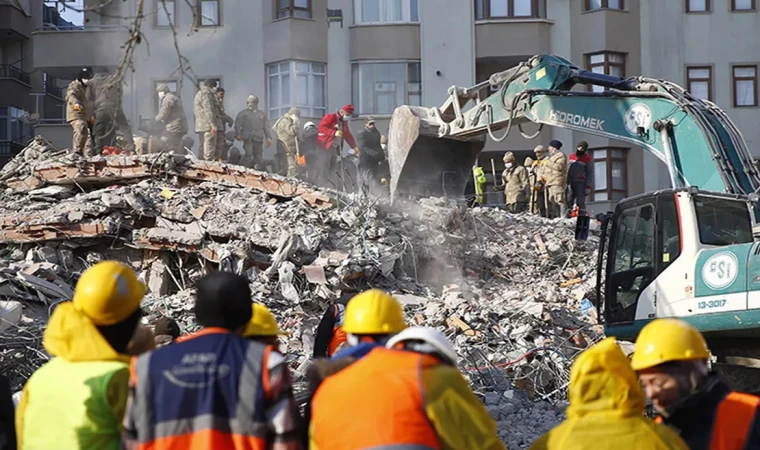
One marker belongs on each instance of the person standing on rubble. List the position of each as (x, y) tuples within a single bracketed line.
[(333, 130), (516, 184), (539, 187), (77, 399), (371, 154), (222, 120), (671, 361), (580, 178), (309, 149), (606, 409), (171, 115), (109, 115), (287, 128), (416, 385), (555, 175), (528, 164), (215, 388), (79, 113), (263, 327), (251, 128), (204, 110)]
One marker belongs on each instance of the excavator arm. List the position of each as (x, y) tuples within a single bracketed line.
[(432, 150)]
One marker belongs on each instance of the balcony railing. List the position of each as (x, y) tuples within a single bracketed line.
[(50, 86), (9, 149), (8, 71), (50, 28)]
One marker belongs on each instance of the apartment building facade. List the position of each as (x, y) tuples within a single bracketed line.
[(378, 54)]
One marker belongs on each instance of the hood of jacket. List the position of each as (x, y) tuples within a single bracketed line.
[(602, 382), (72, 336)]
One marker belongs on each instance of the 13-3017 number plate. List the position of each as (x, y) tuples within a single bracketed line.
[(710, 304)]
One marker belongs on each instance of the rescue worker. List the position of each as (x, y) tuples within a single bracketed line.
[(330, 337), (109, 115), (251, 128), (309, 149), (165, 331), (580, 177), (479, 183), (287, 128), (222, 120), (77, 399), (416, 385), (371, 154), (263, 327), (333, 130), (555, 176), (528, 164), (79, 113), (671, 362), (171, 115), (539, 187), (606, 409), (205, 120), (215, 388), (516, 184)]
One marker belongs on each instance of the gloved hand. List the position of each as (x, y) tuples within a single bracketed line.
[(240, 138), (588, 190), (269, 142), (543, 162), (536, 187), (543, 180), (77, 107), (213, 131), (92, 121), (356, 151), (338, 133)]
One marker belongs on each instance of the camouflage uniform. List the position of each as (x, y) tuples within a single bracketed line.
[(204, 107), (78, 115), (555, 175), (287, 140), (222, 120), (516, 186), (539, 190), (251, 125), (172, 115)]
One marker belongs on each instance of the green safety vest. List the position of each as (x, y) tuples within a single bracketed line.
[(480, 181), (68, 406)]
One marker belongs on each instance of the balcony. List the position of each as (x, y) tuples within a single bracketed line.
[(14, 24), (50, 87), (14, 73), (63, 51), (15, 86)]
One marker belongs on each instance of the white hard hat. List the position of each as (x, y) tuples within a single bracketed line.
[(434, 342), (309, 125)]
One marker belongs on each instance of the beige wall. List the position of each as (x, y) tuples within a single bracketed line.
[(513, 38), (296, 38), (385, 42)]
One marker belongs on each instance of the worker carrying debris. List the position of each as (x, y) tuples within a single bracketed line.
[(416, 385), (109, 115), (555, 179), (539, 186), (222, 120), (671, 362), (516, 184), (77, 400), (215, 388), (606, 409), (251, 128), (79, 112), (330, 337), (171, 115), (204, 110), (580, 173), (333, 130), (263, 327), (287, 128)]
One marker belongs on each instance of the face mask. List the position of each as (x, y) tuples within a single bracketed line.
[(383, 146), (161, 95), (85, 81), (294, 117), (345, 118), (251, 106), (509, 165), (580, 152)]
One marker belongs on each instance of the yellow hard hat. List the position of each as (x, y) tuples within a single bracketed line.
[(374, 312), (108, 293), (665, 340), (262, 323)]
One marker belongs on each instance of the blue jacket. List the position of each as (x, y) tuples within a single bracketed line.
[(357, 351)]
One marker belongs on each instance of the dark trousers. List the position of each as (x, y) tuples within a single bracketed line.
[(577, 196)]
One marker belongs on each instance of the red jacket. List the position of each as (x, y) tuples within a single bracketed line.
[(328, 126), (581, 169)]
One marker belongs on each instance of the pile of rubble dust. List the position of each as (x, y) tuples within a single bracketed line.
[(513, 292)]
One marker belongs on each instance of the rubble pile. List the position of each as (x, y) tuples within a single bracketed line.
[(512, 292)]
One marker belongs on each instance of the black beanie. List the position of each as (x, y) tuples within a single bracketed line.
[(223, 299), (167, 325)]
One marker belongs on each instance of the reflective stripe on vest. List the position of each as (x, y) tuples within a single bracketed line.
[(245, 429), (347, 416), (733, 420)]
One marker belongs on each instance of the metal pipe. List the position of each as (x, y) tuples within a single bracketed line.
[(663, 128)]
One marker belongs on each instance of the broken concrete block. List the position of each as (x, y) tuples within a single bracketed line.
[(66, 259), (158, 279), (46, 254), (410, 300), (10, 314)]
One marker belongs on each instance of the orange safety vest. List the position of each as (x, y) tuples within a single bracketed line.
[(349, 414), (339, 336), (732, 422)]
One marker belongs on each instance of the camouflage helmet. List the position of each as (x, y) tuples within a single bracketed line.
[(509, 157), (528, 162), (252, 99), (163, 88), (539, 150)]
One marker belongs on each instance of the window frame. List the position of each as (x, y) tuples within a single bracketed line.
[(605, 5), (292, 72), (707, 10), (709, 80), (160, 12), (608, 160), (357, 102), (199, 12), (168, 82), (291, 10), (537, 7), (734, 79), (406, 14), (606, 64), (753, 7)]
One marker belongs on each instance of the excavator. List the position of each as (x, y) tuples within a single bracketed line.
[(688, 251)]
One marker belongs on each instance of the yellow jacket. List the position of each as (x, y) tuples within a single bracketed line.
[(72, 337), (607, 408)]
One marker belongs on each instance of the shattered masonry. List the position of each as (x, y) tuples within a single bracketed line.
[(508, 290)]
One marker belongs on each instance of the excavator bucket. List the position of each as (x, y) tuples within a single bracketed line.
[(421, 163)]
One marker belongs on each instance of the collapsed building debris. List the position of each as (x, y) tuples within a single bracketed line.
[(511, 291)]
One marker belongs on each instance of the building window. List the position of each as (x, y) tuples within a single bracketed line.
[(217, 81), (299, 84), (592, 5), (745, 85), (743, 5), (699, 81), (170, 83), (509, 9), (209, 13), (379, 88), (161, 20), (14, 125), (608, 63), (293, 8), (386, 11), (697, 6), (610, 174)]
